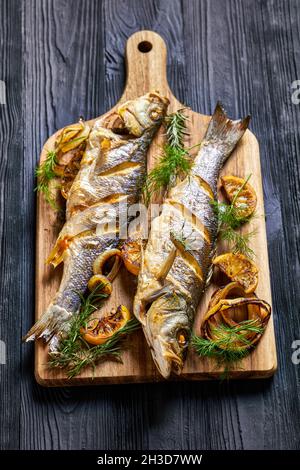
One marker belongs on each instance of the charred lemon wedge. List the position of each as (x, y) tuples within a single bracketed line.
[(100, 330), (239, 268), (239, 192), (131, 255), (98, 281)]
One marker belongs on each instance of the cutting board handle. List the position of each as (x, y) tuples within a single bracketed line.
[(146, 64)]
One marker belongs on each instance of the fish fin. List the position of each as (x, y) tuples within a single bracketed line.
[(51, 322), (225, 131)]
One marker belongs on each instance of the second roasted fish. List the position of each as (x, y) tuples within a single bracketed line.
[(179, 251)]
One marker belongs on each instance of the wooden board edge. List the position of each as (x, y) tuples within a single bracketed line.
[(87, 381)]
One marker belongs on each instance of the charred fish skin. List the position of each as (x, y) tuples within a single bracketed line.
[(109, 177), (179, 251)]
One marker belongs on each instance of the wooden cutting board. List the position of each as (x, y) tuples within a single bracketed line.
[(146, 58)]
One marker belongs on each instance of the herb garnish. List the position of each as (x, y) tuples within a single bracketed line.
[(229, 220), (224, 349), (45, 173), (75, 353), (174, 160)]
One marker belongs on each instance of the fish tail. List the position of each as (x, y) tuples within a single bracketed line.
[(51, 322), (224, 131)]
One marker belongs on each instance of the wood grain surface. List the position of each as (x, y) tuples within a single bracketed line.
[(245, 52), (146, 71)]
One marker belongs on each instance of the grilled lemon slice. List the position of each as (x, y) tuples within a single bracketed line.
[(241, 194), (100, 330), (239, 268), (131, 255)]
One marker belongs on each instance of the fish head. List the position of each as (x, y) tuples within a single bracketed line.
[(143, 113), (167, 329)]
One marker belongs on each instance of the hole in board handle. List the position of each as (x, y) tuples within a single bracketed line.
[(144, 47)]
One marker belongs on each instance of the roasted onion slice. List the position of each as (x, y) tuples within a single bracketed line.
[(100, 261), (231, 308)]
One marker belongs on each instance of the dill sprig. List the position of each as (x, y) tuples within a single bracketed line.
[(74, 353), (230, 219), (240, 242), (45, 173), (186, 241), (174, 160), (224, 348)]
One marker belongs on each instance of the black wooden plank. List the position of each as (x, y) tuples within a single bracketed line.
[(245, 52), (63, 79), (11, 224), (248, 61)]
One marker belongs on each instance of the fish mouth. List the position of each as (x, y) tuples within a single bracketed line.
[(163, 355), (144, 113), (160, 329), (141, 305), (131, 122), (162, 315)]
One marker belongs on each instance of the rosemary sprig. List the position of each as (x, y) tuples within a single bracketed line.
[(75, 353), (230, 219), (224, 349), (45, 173), (174, 160), (176, 128)]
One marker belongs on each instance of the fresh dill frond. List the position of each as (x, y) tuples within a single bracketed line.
[(230, 218), (75, 353), (229, 215), (206, 348), (187, 242), (174, 160), (231, 344), (240, 243), (45, 173)]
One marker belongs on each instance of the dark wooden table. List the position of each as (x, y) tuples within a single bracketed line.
[(64, 58)]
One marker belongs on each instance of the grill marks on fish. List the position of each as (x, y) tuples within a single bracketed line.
[(110, 173), (121, 169), (206, 188), (189, 259), (190, 218), (178, 254)]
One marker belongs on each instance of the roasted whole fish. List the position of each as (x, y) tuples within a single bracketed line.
[(178, 255), (110, 177)]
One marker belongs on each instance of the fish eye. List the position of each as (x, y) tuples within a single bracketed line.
[(182, 337)]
